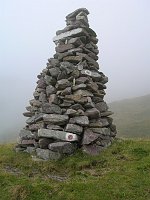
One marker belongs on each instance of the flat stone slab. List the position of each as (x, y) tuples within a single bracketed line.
[(55, 119), (89, 136), (72, 33), (58, 135), (103, 131), (80, 120), (73, 128), (62, 147), (47, 154), (95, 75), (25, 134)]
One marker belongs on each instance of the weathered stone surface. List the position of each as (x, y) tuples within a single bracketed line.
[(107, 113), (51, 108), (84, 93), (35, 118), (55, 119), (81, 80), (103, 131), (101, 106), (35, 103), (92, 149), (54, 127), (77, 107), (54, 72), (80, 86), (76, 12), (50, 80), (92, 86), (89, 59), (96, 99), (72, 33), (62, 84), (50, 90), (73, 128), (75, 41), (74, 59), (101, 122), (77, 98), (89, 136), (95, 75), (28, 114), (58, 135), (62, 147), (42, 97), (35, 127), (67, 66), (41, 83), (53, 99), (64, 47), (44, 142), (66, 91), (25, 134), (71, 112), (30, 150), (92, 113), (47, 154), (80, 120)]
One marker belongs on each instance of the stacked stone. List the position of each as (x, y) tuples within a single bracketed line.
[(68, 110)]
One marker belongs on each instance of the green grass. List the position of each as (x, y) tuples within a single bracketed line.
[(121, 172), (132, 117)]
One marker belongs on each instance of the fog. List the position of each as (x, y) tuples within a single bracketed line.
[(27, 29)]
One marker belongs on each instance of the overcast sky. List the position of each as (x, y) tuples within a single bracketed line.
[(27, 29)]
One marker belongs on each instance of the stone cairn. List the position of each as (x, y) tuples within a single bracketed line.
[(68, 111)]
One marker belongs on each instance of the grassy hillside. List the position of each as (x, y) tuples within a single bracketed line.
[(122, 172), (132, 116)]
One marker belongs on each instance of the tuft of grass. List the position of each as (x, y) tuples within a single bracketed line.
[(121, 172)]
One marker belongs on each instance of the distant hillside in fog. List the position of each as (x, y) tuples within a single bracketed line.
[(132, 116)]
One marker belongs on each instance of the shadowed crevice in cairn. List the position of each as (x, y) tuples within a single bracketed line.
[(68, 110)]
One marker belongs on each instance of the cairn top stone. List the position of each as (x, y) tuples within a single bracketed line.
[(76, 12)]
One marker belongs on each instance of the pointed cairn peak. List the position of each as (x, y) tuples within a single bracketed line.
[(68, 110)]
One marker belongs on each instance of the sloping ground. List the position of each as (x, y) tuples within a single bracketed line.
[(132, 117), (121, 172)]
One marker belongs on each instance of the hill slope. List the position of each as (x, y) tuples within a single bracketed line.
[(132, 116), (121, 172)]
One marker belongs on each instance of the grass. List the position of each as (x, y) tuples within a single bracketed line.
[(121, 172)]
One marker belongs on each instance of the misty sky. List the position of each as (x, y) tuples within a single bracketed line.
[(27, 29)]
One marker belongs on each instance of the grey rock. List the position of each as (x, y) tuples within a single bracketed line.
[(95, 75), (97, 99), (76, 41), (54, 72), (71, 33), (46, 154), (30, 150), (66, 91), (107, 113), (89, 59), (101, 122), (41, 83), (67, 66), (101, 106), (89, 136), (76, 12), (35, 127), (103, 131), (71, 112), (80, 86), (73, 128), (44, 142), (64, 47), (42, 97), (81, 80), (51, 108), (35, 118), (62, 84), (54, 127), (25, 134), (92, 113), (80, 120), (50, 80), (35, 103), (58, 135), (55, 119), (28, 114), (77, 107), (84, 93), (62, 147), (50, 90), (53, 99)]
